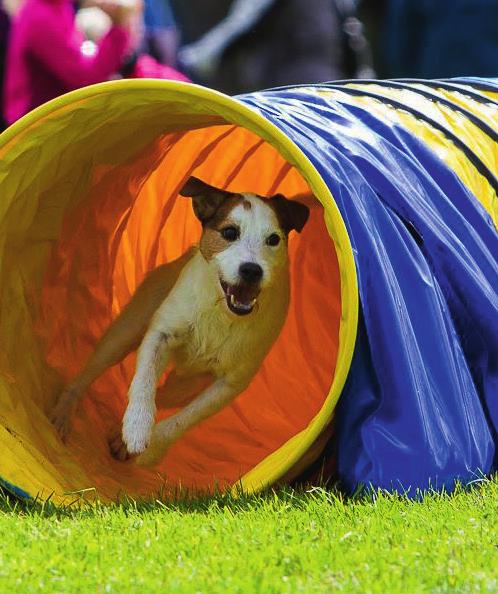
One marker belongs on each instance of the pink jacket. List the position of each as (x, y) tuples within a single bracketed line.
[(148, 67), (44, 58)]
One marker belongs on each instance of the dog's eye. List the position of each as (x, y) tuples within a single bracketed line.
[(273, 239), (230, 233)]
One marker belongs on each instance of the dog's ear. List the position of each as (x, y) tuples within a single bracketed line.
[(290, 213), (206, 199)]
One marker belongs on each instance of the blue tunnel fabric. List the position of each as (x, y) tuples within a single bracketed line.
[(420, 406), (448, 84), (479, 84)]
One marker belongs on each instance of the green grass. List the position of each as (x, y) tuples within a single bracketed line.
[(287, 541)]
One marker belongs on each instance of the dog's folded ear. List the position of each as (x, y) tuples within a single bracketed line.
[(206, 199), (290, 213)]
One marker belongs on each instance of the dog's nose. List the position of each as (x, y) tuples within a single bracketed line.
[(251, 272)]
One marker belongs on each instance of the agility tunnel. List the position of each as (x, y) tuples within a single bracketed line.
[(386, 372)]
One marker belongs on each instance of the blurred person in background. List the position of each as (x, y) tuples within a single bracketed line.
[(441, 38), (94, 24), (238, 46), (45, 57), (4, 31), (8, 8), (372, 14), (161, 36)]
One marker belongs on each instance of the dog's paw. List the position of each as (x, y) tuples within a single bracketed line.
[(60, 416), (164, 435), (137, 427), (152, 455), (118, 448)]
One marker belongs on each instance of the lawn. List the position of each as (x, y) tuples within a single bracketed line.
[(287, 541)]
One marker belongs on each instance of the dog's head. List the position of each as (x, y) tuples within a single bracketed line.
[(244, 239)]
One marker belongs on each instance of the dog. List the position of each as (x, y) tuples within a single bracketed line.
[(214, 314)]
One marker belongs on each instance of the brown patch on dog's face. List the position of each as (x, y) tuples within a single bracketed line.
[(212, 241), (222, 215)]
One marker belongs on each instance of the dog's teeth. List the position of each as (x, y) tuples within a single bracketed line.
[(234, 302)]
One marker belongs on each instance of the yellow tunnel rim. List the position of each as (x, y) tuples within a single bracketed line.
[(235, 112)]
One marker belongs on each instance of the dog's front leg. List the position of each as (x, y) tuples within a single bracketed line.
[(140, 413), (209, 402)]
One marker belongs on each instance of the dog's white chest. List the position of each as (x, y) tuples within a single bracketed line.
[(212, 343)]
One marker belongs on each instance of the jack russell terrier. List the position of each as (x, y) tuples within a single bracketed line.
[(214, 314)]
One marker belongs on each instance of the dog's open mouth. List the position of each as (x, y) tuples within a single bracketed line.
[(240, 299)]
